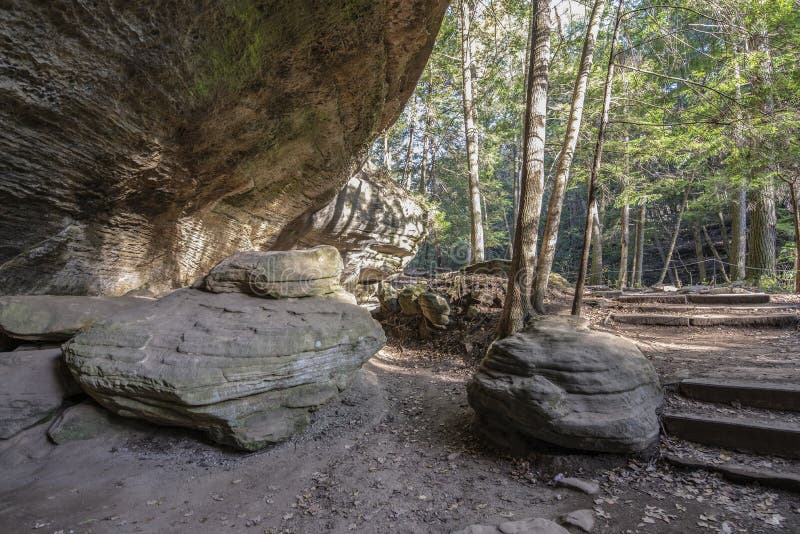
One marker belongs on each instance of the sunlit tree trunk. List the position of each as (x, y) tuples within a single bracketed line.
[(387, 155), (550, 236), (592, 204), (470, 131), (518, 305)]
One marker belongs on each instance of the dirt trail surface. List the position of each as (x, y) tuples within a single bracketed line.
[(395, 454)]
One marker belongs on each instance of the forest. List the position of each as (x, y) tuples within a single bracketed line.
[(683, 117)]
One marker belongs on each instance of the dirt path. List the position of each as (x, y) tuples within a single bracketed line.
[(396, 454)]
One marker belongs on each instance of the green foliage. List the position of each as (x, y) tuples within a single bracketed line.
[(708, 101)]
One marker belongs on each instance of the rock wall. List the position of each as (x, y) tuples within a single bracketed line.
[(376, 225), (142, 142)]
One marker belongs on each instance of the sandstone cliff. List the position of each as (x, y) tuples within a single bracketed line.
[(142, 142)]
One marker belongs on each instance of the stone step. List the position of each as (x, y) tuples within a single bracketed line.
[(674, 298), (643, 298), (747, 434), (735, 472), (729, 298), (775, 320), (710, 308), (748, 393)]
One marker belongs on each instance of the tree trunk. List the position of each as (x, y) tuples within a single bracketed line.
[(726, 243), (596, 273), (592, 211), (410, 149), (426, 134), (738, 249), (761, 257), (639, 252), (387, 155), (699, 254), (674, 239), (550, 236), (794, 194), (518, 305), (624, 234), (716, 255), (471, 132)]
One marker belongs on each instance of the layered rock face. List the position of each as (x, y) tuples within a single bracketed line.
[(141, 143), (245, 369), (560, 383), (55, 318), (376, 225)]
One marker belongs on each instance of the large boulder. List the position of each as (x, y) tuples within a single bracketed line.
[(375, 224), (143, 142), (56, 317), (296, 273), (33, 384), (244, 369), (560, 383)]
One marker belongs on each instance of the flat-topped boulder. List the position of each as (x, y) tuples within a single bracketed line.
[(56, 317), (559, 383), (279, 274), (244, 369)]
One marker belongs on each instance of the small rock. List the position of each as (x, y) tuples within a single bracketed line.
[(589, 487), (535, 525), (583, 519), (435, 309), (83, 421), (478, 529)]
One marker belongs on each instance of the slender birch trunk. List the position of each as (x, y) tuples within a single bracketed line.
[(471, 132), (591, 213), (518, 305), (550, 236)]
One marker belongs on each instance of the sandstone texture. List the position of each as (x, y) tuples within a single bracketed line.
[(33, 384), (375, 224), (559, 383), (246, 370), (142, 143), (297, 273), (56, 317)]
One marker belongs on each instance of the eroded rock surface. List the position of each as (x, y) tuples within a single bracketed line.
[(376, 225), (56, 317), (246, 370), (295, 273), (141, 143), (33, 384), (560, 383)]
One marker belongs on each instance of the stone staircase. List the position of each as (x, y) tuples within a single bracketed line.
[(701, 310), (751, 429)]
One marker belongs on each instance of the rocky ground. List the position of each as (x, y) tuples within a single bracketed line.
[(395, 454)]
